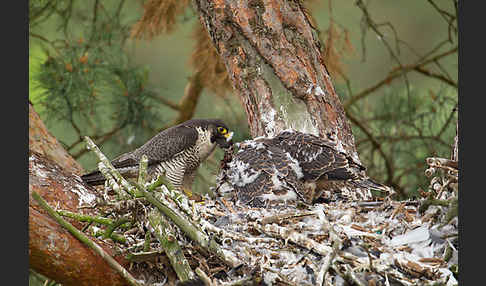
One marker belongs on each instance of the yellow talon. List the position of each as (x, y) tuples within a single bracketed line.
[(188, 192)]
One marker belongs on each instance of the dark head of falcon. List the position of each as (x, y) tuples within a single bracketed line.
[(175, 153)]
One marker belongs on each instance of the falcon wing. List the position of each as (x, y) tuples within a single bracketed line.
[(316, 156), (162, 147)]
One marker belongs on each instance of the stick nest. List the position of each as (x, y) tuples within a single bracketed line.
[(342, 242)]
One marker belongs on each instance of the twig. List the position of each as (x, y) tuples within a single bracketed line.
[(393, 75), (192, 231), (167, 102), (377, 145), (85, 218), (336, 245), (45, 40), (352, 276), (111, 228), (84, 239), (169, 243), (437, 76), (204, 277), (142, 172), (292, 236), (111, 170), (374, 26), (285, 216), (448, 121), (327, 263), (222, 233), (143, 256), (146, 244), (100, 140)]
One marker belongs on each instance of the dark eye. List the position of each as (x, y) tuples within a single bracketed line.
[(222, 130)]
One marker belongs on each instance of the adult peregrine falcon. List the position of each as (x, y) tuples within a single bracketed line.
[(291, 166), (175, 152)]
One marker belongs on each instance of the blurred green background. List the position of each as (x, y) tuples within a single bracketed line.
[(405, 116)]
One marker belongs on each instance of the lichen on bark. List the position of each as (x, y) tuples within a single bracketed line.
[(273, 58)]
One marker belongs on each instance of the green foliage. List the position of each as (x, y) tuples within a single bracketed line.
[(408, 128), (85, 78), (87, 82)]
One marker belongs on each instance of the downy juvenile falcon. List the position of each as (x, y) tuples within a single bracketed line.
[(292, 166), (175, 152)]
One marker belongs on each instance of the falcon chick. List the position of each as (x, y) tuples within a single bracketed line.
[(175, 152), (291, 166)]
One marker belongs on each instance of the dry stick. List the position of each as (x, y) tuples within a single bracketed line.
[(285, 216), (222, 233), (336, 245), (109, 230), (119, 179), (84, 239), (144, 255), (283, 279), (179, 199), (246, 280), (204, 277), (106, 172), (437, 162), (146, 244), (352, 276), (193, 232), (293, 236), (142, 172), (169, 243), (327, 263)]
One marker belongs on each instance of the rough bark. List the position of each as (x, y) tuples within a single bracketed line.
[(42, 142), (274, 60), (53, 251)]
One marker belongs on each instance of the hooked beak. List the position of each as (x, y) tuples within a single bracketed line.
[(228, 136), (228, 142)]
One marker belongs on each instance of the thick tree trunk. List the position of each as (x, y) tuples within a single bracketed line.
[(53, 251), (42, 142), (273, 57)]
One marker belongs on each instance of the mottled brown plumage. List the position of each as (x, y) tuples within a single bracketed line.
[(293, 166)]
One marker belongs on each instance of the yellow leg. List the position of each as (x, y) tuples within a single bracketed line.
[(188, 192), (190, 195)]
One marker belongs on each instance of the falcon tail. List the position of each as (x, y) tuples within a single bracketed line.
[(94, 178)]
